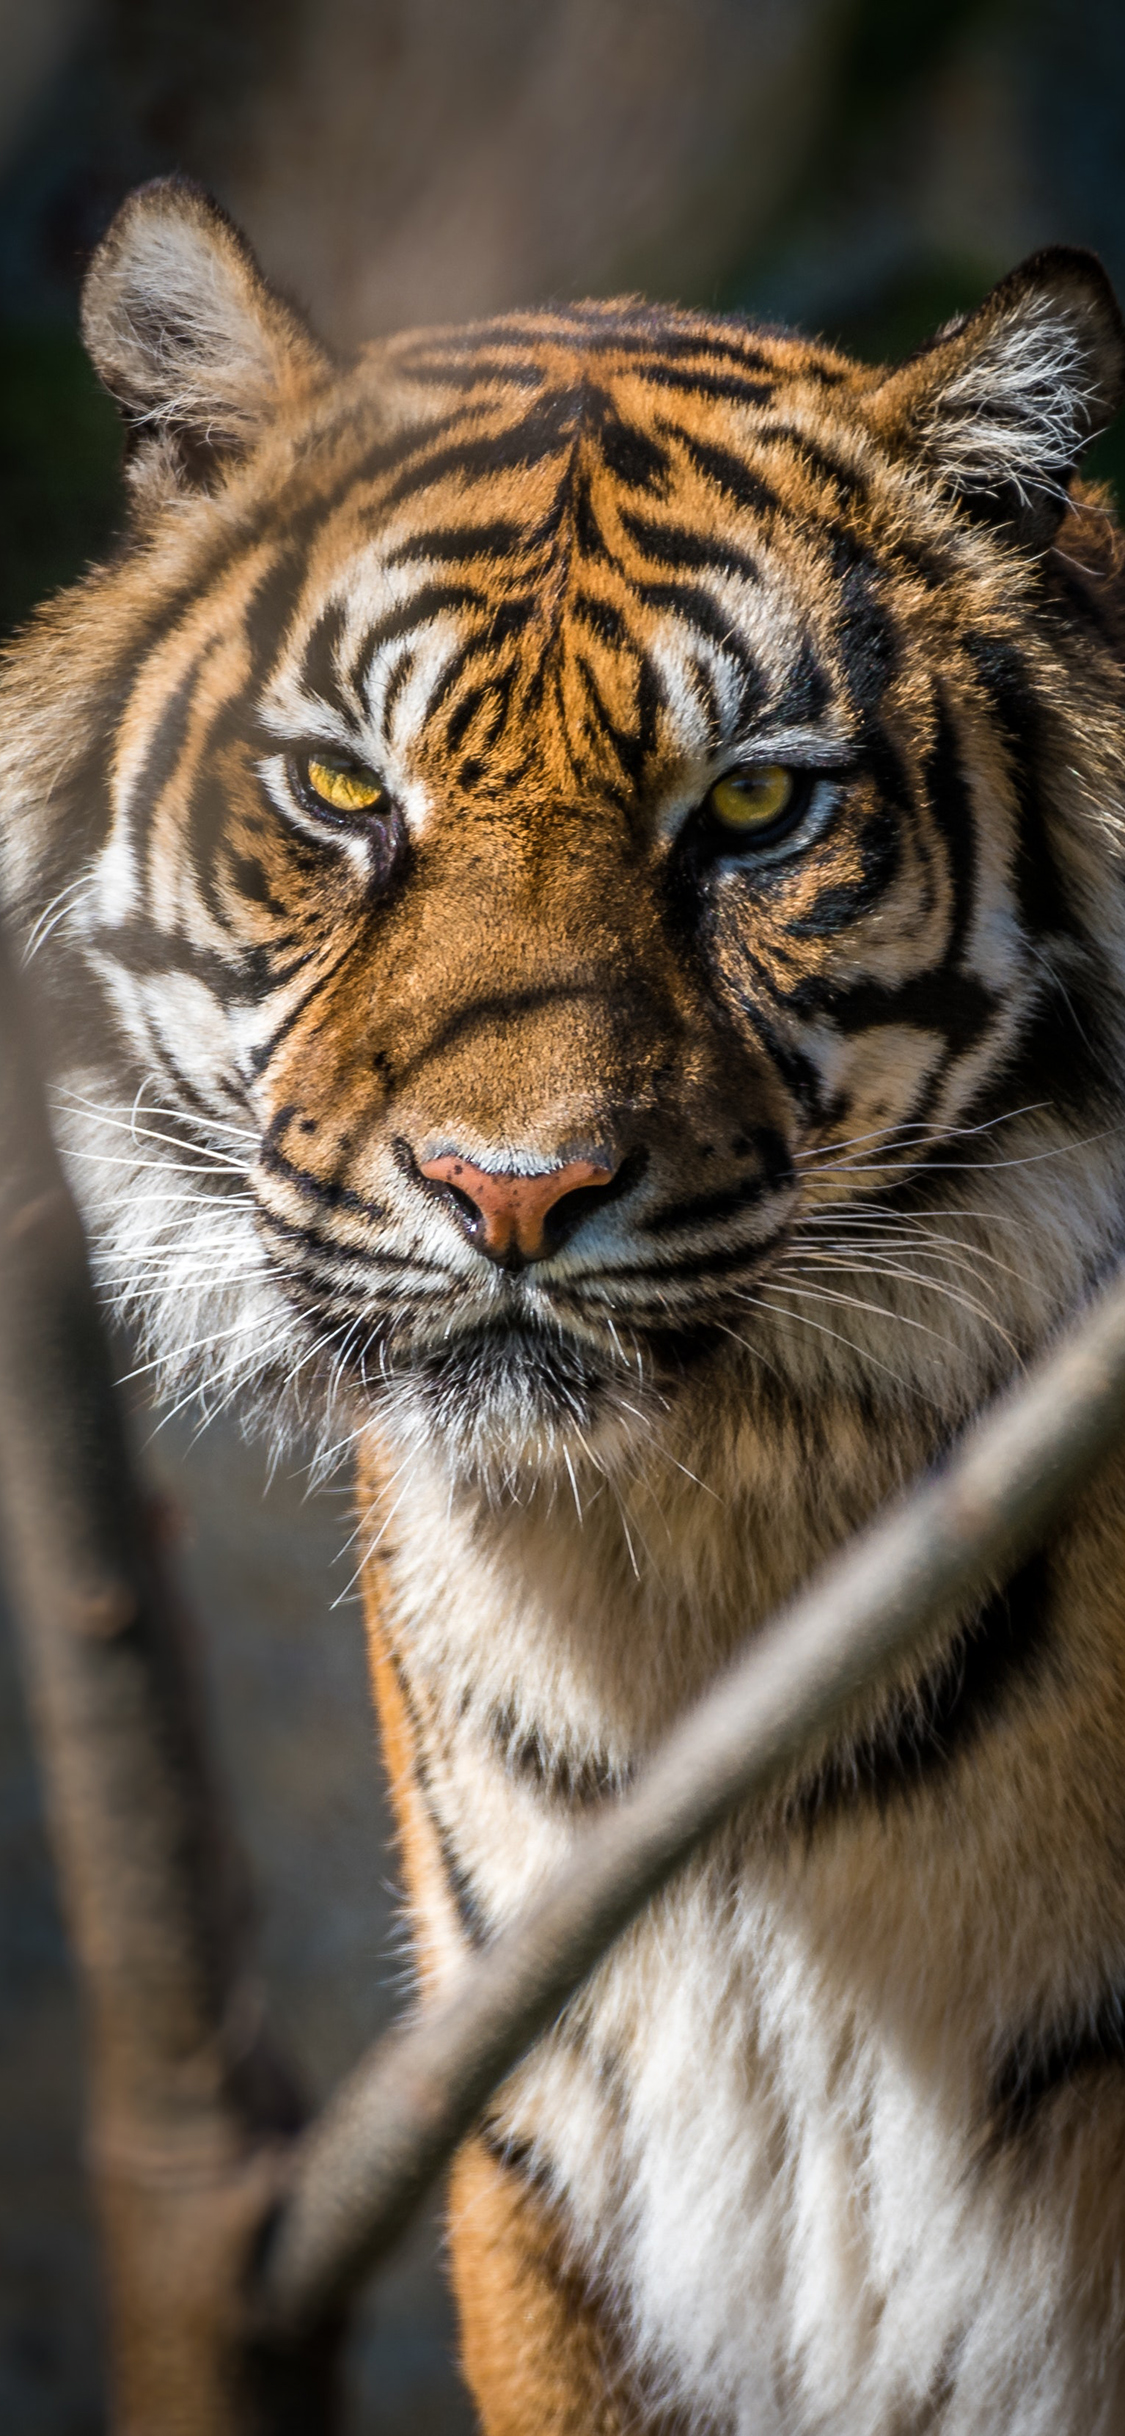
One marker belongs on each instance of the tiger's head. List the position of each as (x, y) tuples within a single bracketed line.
[(585, 849)]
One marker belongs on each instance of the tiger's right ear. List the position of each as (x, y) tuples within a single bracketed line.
[(189, 338), (1001, 405)]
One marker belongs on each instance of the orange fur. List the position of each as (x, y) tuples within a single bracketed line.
[(538, 2356)]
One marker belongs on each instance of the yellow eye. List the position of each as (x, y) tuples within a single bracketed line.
[(343, 786), (751, 799)]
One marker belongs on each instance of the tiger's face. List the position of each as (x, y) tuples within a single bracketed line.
[(573, 844), (576, 813)]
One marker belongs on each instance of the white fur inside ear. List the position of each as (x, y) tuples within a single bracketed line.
[(187, 331), (1017, 414), (182, 327)]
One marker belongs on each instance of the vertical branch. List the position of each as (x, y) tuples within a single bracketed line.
[(188, 2111)]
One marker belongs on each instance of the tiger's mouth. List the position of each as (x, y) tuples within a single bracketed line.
[(523, 1362), (503, 1394), (500, 1400), (578, 1349)]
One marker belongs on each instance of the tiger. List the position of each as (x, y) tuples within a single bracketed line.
[(575, 873)]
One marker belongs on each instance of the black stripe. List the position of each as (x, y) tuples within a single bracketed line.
[(364, 1258), (327, 1191), (710, 1209), (505, 625), (1067, 1056), (147, 953), (674, 545), (430, 601), (642, 329), (955, 1004), (799, 1073), (249, 877), (320, 673), (698, 608), (267, 1049), (728, 473), (656, 337), (632, 747), (470, 1915), (400, 675), (588, 534), (544, 432), (815, 458), (266, 619), (1040, 2065), (707, 698), (704, 384), (516, 2156), (865, 634), (467, 370), (1003, 1651), (843, 902), (807, 690), (601, 617), (947, 999), (450, 543), (496, 689), (1019, 715), (704, 1264), (637, 460), (550, 1770), (191, 1099), (167, 743), (512, 1008), (952, 807)]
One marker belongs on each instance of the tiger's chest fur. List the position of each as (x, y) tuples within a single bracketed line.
[(835, 2138), (578, 867)]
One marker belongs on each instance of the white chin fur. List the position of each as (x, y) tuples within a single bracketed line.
[(510, 1425)]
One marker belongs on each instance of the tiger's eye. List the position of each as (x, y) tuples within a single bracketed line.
[(751, 799), (343, 786)]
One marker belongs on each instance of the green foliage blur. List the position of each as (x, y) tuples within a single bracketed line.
[(60, 457)]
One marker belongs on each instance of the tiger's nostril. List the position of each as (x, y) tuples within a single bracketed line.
[(516, 1219)]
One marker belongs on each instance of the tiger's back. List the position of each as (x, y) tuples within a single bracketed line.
[(581, 866)]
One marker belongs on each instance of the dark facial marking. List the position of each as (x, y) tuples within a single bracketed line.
[(729, 473), (674, 545), (1019, 717)]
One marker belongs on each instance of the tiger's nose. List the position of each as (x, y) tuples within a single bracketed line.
[(506, 1216)]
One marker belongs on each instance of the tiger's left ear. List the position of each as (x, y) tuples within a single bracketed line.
[(197, 349), (1003, 402)]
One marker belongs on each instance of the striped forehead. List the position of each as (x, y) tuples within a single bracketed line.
[(587, 561)]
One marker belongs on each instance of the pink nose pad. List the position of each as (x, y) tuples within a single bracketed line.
[(511, 1209)]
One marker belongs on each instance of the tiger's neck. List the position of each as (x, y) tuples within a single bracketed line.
[(583, 1615)]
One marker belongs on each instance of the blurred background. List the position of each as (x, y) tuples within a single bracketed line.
[(862, 167)]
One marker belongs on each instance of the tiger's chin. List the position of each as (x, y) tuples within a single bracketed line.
[(508, 1409)]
